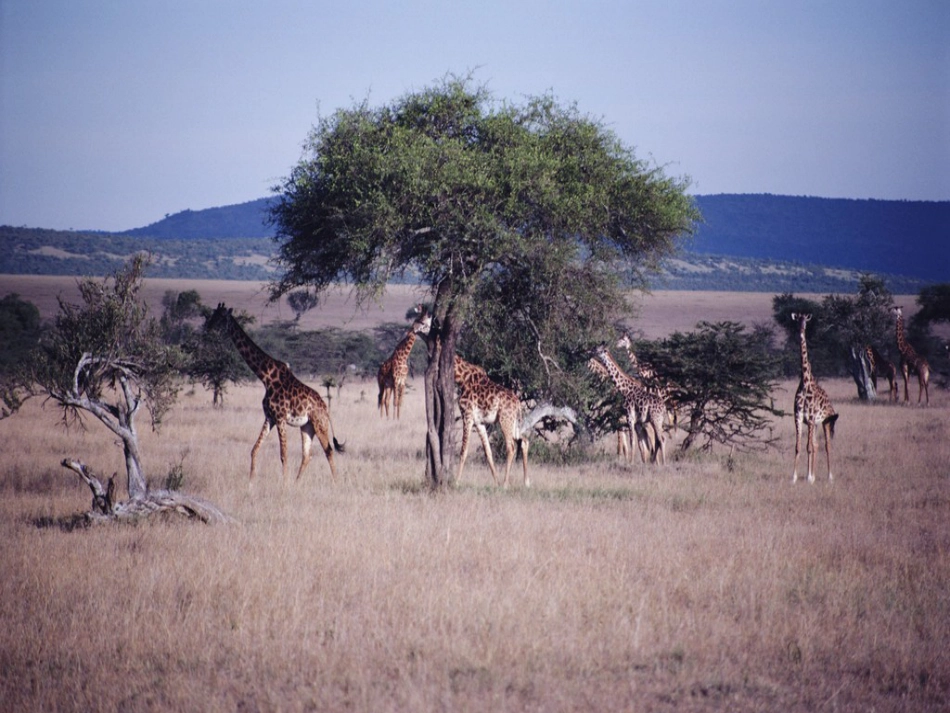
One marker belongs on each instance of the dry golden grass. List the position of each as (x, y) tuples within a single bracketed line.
[(711, 583)]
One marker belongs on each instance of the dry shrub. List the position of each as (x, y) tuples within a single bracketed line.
[(606, 586)]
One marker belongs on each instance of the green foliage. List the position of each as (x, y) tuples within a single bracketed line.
[(19, 330), (113, 327), (721, 378), (212, 359), (838, 323), (934, 304)]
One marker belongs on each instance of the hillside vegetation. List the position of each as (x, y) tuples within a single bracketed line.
[(746, 243)]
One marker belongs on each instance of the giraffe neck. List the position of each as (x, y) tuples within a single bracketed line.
[(902, 344), (807, 376), (264, 366), (405, 346), (617, 375)]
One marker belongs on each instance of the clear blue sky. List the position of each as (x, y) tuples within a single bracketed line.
[(114, 113)]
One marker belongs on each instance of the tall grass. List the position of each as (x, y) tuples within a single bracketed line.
[(708, 583)]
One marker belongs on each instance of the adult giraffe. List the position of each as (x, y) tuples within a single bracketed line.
[(287, 400), (812, 409), (645, 409), (911, 362), (394, 372), (482, 402)]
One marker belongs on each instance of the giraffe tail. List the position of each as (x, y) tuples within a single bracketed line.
[(831, 421)]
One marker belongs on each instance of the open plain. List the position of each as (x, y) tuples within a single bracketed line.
[(711, 583)]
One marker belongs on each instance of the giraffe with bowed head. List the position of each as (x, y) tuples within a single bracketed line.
[(483, 402)]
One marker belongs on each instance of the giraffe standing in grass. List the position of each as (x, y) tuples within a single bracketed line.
[(812, 409), (287, 400), (482, 402), (645, 409), (394, 372), (882, 366), (624, 437), (651, 378), (911, 362)]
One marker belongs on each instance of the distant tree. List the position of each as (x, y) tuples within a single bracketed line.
[(466, 193), (180, 311), (19, 330), (302, 301), (106, 358), (212, 360), (934, 302), (841, 329)]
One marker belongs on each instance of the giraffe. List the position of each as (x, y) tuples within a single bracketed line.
[(287, 400), (651, 378), (882, 366), (812, 408), (394, 371), (482, 402), (911, 362), (644, 408), (623, 433)]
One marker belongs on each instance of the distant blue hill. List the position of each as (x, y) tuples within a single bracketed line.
[(909, 238), (892, 237)]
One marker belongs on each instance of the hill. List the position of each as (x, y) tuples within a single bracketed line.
[(756, 242)]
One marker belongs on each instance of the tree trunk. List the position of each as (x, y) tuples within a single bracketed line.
[(440, 395), (861, 373)]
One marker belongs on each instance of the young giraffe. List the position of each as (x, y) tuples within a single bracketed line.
[(812, 408), (911, 362), (650, 377), (623, 433), (644, 408), (394, 372), (881, 366), (482, 402), (287, 400)]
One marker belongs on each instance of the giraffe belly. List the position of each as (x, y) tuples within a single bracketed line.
[(296, 420), (485, 415)]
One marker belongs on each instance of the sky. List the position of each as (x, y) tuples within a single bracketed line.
[(115, 113)]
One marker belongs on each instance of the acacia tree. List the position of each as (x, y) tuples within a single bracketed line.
[(106, 358), (465, 192)]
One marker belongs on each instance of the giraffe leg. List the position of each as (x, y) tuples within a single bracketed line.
[(906, 375), (483, 434), (524, 460), (827, 429), (306, 443), (265, 429), (466, 434), (322, 431), (798, 448), (397, 399), (660, 440), (282, 437), (812, 447)]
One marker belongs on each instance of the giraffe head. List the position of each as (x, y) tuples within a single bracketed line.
[(624, 342), (219, 317), (801, 319), (423, 322)]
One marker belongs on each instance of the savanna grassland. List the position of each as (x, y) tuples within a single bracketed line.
[(709, 583)]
